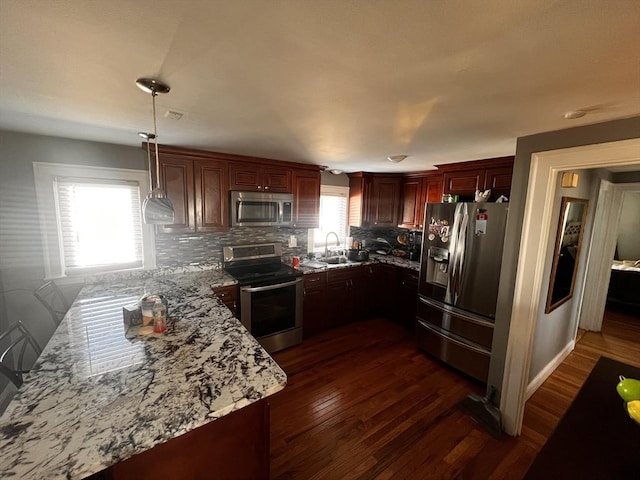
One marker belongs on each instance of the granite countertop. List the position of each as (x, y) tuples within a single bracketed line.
[(373, 258), (99, 394)]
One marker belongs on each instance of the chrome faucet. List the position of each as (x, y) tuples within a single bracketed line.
[(326, 243)]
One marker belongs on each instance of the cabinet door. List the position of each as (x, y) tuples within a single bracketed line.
[(385, 201), (306, 199), (463, 183), (277, 180), (384, 287), (229, 296), (412, 191), (245, 177), (314, 318), (176, 178), (499, 181), (432, 191), (407, 297), (211, 200)]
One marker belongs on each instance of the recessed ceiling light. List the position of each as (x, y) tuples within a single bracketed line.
[(574, 114), (336, 171), (396, 158)]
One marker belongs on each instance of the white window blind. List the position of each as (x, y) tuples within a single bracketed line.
[(334, 202), (99, 224)]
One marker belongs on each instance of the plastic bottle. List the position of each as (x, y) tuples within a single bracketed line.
[(159, 317)]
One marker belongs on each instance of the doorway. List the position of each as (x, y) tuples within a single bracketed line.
[(545, 167)]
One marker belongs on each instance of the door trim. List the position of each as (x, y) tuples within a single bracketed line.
[(544, 170)]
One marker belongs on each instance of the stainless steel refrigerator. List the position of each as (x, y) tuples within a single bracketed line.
[(459, 274)]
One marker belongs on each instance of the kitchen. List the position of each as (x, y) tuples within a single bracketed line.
[(22, 254)]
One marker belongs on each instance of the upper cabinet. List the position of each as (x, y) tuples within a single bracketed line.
[(374, 199), (464, 178), (250, 177), (198, 183), (306, 198), (418, 189), (198, 188)]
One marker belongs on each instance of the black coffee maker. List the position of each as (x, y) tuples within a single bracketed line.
[(415, 243)]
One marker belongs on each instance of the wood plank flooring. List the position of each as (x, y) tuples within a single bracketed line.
[(362, 403)]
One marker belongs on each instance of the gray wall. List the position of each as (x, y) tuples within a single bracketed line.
[(556, 329), (21, 254), (586, 135), (629, 228)]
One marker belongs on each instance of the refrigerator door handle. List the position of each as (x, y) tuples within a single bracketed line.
[(449, 337), (455, 311)]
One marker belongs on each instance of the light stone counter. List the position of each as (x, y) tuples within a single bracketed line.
[(99, 394)]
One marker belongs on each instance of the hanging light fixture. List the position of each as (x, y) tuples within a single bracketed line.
[(157, 208)]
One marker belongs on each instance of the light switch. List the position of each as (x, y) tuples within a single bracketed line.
[(293, 241)]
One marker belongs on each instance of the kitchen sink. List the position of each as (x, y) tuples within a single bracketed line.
[(334, 260)]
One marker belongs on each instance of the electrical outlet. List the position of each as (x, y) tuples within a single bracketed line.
[(293, 241)]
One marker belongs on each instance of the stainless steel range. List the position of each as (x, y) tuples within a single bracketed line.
[(271, 294)]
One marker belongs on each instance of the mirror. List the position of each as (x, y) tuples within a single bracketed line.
[(573, 212)]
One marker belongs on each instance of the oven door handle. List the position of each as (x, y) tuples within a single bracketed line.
[(270, 287)]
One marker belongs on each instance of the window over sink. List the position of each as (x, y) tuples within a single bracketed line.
[(334, 202)]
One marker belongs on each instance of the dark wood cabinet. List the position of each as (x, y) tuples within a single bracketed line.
[(176, 179), (463, 183), (407, 296), (251, 177), (384, 287), (233, 447), (417, 189), (306, 198), (314, 304), (198, 188), (374, 199), (211, 195), (229, 296), (464, 178)]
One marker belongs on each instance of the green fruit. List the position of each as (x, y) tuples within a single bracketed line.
[(628, 389)]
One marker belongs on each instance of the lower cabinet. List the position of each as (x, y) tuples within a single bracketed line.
[(235, 446), (314, 316), (407, 297), (345, 295), (229, 296)]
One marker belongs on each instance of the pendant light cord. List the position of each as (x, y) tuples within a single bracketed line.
[(155, 138)]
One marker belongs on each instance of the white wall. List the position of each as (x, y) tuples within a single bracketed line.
[(629, 227), (557, 329)]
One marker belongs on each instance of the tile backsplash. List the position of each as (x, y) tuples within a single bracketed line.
[(173, 250)]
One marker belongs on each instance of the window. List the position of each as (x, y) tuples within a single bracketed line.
[(91, 219), (334, 202)]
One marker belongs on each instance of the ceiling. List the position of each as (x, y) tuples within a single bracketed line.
[(341, 83)]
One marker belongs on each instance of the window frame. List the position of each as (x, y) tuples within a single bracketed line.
[(330, 190), (52, 249)]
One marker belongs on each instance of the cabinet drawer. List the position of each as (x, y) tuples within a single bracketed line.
[(465, 357), (476, 330), (228, 295), (315, 279), (344, 274)]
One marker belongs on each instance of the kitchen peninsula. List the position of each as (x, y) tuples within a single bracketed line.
[(102, 399)]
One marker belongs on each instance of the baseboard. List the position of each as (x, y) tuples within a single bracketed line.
[(548, 369)]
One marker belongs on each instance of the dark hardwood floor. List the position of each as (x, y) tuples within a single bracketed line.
[(362, 402)]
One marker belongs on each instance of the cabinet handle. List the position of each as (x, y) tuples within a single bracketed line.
[(266, 188), (259, 187)]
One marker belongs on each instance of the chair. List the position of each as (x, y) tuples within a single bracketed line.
[(22, 340), (53, 300)]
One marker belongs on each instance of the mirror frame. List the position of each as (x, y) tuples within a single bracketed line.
[(562, 225)]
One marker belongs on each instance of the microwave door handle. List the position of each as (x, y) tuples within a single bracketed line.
[(270, 287)]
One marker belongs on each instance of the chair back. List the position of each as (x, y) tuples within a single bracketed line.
[(53, 300), (16, 337)]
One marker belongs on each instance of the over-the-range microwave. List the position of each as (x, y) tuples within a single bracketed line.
[(257, 209)]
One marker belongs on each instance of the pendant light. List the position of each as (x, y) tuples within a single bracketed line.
[(157, 208)]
